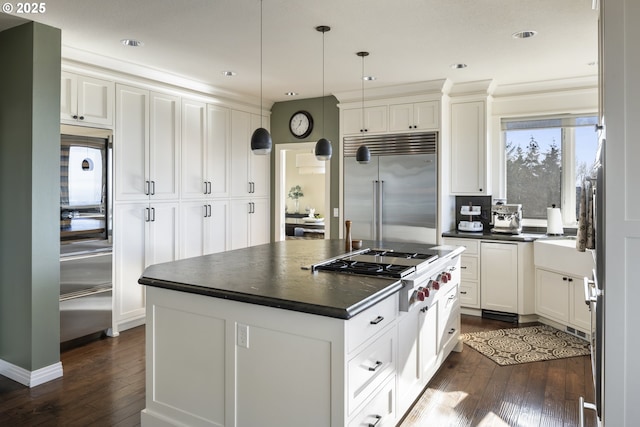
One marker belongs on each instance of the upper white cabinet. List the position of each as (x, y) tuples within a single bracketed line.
[(146, 146), (249, 172), (414, 116), (86, 100), (375, 120), (205, 150), (469, 147)]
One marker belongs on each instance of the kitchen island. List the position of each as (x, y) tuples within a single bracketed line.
[(253, 337)]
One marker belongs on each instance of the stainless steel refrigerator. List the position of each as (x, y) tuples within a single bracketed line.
[(394, 196)]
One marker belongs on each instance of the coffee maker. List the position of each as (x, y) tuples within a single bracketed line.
[(507, 218)]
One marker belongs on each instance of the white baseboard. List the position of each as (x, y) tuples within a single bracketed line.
[(130, 324), (30, 378)]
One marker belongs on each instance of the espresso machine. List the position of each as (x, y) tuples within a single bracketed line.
[(507, 218)]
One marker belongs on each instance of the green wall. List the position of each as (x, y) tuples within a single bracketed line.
[(281, 112), (29, 196)]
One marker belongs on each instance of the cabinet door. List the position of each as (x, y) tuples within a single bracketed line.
[(499, 277), (164, 146), (259, 222), (192, 228), (162, 239), (239, 222), (95, 101), (428, 340), (352, 121), (401, 117), (217, 227), (131, 143), (240, 151), (68, 97), (218, 154), (375, 119), (426, 115), (468, 148), (194, 153), (579, 314), (552, 295), (129, 237)]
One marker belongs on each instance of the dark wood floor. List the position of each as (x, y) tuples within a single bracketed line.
[(103, 385)]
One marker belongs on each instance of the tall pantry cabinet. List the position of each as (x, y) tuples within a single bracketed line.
[(146, 213), (185, 184)]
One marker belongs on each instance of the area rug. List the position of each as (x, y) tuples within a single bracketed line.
[(529, 344)]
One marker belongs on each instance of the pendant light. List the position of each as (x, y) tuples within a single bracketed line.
[(363, 156), (323, 148), (261, 139)]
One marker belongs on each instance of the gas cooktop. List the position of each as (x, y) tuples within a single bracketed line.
[(378, 262)]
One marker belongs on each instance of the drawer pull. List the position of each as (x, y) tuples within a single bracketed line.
[(375, 368), (463, 292), (424, 309), (452, 331), (378, 418), (377, 320), (463, 267)]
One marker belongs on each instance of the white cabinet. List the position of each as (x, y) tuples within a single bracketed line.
[(204, 227), (469, 148), (559, 292), (414, 116), (249, 172), (205, 150), (146, 145), (499, 277), (144, 234), (552, 295), (86, 100), (469, 271), (249, 222), (375, 120)]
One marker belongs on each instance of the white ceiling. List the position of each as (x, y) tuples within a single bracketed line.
[(409, 41)]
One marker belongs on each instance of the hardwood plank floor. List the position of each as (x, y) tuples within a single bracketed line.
[(103, 385)]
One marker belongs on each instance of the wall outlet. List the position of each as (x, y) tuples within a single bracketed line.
[(243, 335), (336, 212)]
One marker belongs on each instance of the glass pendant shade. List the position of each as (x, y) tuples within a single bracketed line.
[(323, 149), (261, 141), (363, 155)]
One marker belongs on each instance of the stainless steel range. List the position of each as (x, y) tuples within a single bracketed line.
[(421, 273)]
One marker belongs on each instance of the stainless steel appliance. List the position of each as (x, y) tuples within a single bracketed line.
[(507, 218), (421, 273), (85, 232), (394, 196), (594, 287)]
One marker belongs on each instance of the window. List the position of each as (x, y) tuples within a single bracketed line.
[(547, 160)]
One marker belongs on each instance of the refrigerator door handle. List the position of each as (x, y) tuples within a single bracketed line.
[(380, 205), (374, 212)]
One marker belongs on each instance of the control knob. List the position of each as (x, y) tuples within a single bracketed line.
[(443, 277), (423, 293), (435, 285)]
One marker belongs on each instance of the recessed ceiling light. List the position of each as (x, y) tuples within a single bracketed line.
[(291, 93), (368, 78), (524, 34), (132, 42), (229, 73), (458, 66)]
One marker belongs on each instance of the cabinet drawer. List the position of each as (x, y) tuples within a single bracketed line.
[(380, 411), (450, 333), (469, 268), (371, 321), (447, 303), (472, 246), (369, 368), (469, 295)]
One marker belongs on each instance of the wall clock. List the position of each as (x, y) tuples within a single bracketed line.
[(301, 124)]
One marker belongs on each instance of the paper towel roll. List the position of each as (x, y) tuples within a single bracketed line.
[(554, 221)]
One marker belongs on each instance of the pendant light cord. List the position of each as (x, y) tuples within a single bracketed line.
[(260, 63), (323, 83)]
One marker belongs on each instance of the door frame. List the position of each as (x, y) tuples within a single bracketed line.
[(281, 192)]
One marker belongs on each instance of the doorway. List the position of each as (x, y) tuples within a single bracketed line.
[(295, 168)]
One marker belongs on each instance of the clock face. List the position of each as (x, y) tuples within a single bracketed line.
[(301, 124)]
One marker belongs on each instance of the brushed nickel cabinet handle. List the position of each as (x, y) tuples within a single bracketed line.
[(375, 368)]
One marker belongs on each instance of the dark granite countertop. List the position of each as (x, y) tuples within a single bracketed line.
[(272, 275), (525, 236)]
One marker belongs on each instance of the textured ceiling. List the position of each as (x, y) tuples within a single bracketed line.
[(409, 41)]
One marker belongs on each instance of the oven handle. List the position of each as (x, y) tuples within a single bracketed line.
[(582, 405)]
